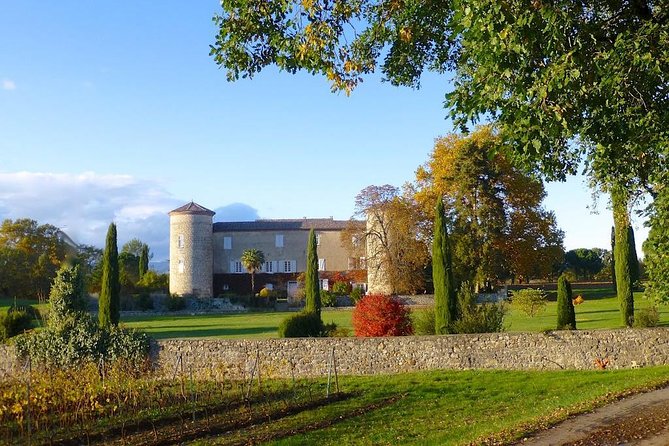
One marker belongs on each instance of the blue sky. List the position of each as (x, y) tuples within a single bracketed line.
[(115, 111)]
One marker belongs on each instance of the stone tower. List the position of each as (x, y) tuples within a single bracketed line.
[(191, 250)]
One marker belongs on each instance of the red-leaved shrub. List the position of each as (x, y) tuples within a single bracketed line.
[(379, 315)]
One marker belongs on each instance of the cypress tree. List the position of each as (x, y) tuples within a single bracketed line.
[(621, 254), (445, 309), (143, 261), (634, 260), (109, 302), (613, 259), (566, 316), (311, 286)]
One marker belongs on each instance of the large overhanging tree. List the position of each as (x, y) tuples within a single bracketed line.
[(566, 80)]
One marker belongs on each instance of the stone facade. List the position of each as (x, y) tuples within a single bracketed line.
[(625, 348), (191, 251)]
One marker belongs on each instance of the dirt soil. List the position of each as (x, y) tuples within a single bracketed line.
[(639, 420)]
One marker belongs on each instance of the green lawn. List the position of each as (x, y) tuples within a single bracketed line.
[(232, 326), (600, 310), (448, 407)]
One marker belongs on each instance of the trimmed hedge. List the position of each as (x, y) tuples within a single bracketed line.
[(305, 324)]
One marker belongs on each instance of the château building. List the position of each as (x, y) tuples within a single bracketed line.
[(205, 257)]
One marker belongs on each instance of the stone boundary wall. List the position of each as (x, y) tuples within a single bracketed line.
[(224, 359), (625, 348)]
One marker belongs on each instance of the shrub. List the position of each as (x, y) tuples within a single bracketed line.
[(423, 322), (77, 339), (305, 324), (647, 317), (379, 315), (487, 317), (144, 300), (566, 316), (332, 331), (13, 323), (356, 295), (328, 299), (175, 303), (530, 301), (341, 288)]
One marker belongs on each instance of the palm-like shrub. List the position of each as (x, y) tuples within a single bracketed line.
[(252, 260)]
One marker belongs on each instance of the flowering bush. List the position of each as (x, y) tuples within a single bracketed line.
[(379, 315)]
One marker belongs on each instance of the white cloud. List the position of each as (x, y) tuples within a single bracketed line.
[(8, 84), (84, 204)]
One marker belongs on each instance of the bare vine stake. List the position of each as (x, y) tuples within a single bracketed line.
[(30, 370), (179, 360), (334, 362), (258, 366), (248, 389), (327, 389), (183, 385), (192, 390)]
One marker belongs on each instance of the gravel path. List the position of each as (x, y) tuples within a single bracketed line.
[(639, 420)]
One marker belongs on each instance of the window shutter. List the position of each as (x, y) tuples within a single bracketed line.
[(293, 266), (275, 266), (232, 266)]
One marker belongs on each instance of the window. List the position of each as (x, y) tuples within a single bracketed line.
[(288, 266), (181, 266), (355, 241), (324, 284), (181, 241), (363, 262), (352, 263), (278, 241), (318, 240), (268, 267), (227, 242), (226, 287), (236, 267), (321, 264)]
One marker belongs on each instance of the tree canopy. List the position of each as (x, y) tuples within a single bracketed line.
[(499, 227), (563, 78), (30, 255), (392, 236)]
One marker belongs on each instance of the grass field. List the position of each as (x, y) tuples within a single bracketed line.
[(447, 407), (600, 310)]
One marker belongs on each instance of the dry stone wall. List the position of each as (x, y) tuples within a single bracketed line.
[(366, 356), (225, 359)]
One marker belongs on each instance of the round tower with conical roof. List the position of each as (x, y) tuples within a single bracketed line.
[(191, 250)]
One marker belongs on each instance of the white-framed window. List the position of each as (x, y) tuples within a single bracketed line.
[(181, 266), (268, 267), (321, 264), (226, 287), (352, 263), (318, 240), (355, 241), (324, 284), (236, 267), (289, 266), (227, 242), (278, 240), (181, 241), (363, 262)]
